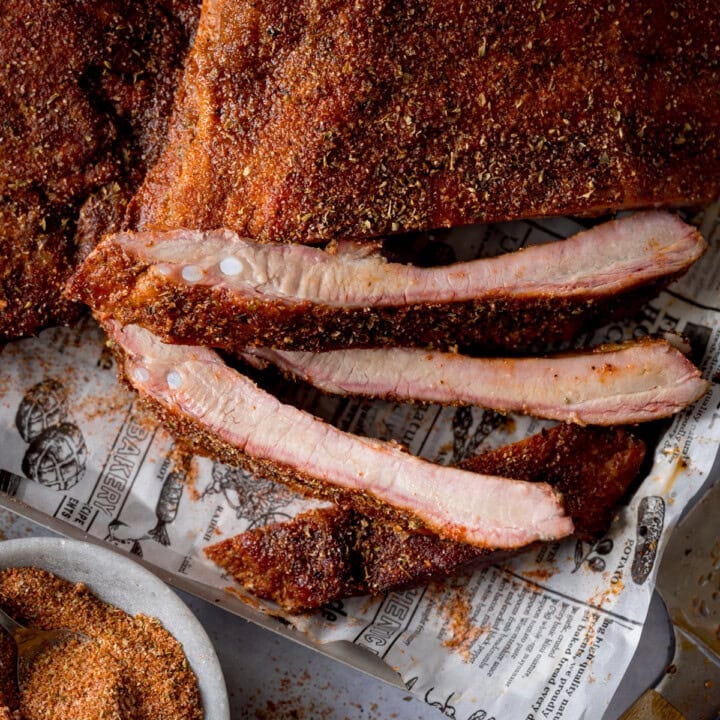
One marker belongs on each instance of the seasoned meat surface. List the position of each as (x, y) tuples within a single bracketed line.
[(325, 555), (306, 121), (214, 288), (85, 92)]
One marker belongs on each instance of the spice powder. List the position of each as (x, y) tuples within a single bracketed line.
[(131, 668)]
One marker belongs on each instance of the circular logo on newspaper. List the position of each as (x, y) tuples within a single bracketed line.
[(56, 457), (43, 406)]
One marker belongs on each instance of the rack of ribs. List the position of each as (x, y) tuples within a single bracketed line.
[(301, 124), (306, 121)]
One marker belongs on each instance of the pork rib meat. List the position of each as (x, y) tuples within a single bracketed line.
[(332, 553), (85, 93), (305, 121), (217, 410), (610, 385), (219, 290)]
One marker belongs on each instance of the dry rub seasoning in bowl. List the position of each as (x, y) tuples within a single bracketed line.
[(131, 668)]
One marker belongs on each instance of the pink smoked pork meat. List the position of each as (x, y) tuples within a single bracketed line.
[(306, 121), (610, 385), (216, 289), (216, 410), (328, 554)]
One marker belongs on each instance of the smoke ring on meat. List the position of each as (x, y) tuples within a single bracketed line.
[(612, 385), (298, 297), (216, 407)]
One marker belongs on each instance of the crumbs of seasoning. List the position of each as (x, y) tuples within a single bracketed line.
[(131, 668), (8, 689), (463, 633)]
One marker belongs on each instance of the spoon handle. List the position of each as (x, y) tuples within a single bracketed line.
[(8, 623)]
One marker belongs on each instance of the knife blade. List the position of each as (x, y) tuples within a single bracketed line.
[(689, 583)]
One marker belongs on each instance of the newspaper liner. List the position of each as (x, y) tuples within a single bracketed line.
[(548, 634)]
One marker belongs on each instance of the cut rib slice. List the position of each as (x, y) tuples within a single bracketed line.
[(612, 385), (217, 289), (337, 552), (222, 412)]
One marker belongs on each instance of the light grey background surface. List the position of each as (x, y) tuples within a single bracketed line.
[(272, 678)]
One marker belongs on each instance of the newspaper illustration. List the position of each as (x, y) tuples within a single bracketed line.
[(545, 635)]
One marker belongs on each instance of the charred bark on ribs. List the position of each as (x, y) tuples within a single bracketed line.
[(305, 121), (85, 91), (334, 553)]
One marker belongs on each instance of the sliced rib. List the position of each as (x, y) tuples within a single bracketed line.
[(215, 408), (611, 385), (217, 289), (332, 553)]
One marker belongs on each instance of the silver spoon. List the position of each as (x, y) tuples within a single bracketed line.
[(31, 642)]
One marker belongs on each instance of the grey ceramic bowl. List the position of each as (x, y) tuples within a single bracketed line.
[(122, 582)]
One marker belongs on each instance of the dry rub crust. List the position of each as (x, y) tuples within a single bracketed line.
[(117, 285), (85, 92), (332, 553), (303, 121)]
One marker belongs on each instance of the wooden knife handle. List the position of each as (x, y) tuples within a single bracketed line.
[(652, 706)]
